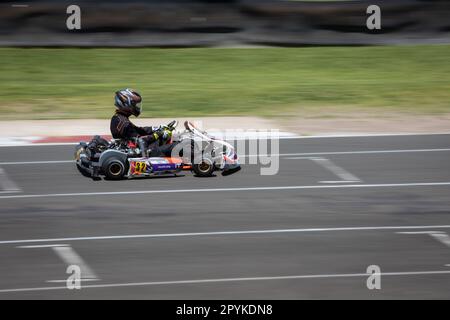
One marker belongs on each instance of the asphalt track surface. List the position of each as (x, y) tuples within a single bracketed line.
[(310, 231)]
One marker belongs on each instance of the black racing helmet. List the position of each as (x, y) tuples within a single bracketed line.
[(129, 102)]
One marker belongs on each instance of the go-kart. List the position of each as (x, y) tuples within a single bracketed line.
[(195, 150)]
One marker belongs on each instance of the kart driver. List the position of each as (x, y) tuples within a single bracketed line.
[(129, 102)]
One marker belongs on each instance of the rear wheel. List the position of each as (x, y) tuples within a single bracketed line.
[(204, 169), (114, 169)]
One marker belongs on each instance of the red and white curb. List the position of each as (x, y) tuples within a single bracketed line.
[(24, 141)]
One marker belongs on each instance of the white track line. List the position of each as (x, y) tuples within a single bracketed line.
[(221, 233), (346, 176), (339, 181), (68, 255), (338, 171), (440, 236), (6, 184), (224, 280), (65, 281), (281, 188), (362, 135), (418, 232), (294, 156), (43, 246)]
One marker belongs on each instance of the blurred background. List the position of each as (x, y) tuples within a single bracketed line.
[(273, 58)]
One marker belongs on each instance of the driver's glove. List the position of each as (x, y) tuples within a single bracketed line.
[(162, 133), (166, 134)]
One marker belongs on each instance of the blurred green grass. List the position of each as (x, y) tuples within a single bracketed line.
[(80, 83)]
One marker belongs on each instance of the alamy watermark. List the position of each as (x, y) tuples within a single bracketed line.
[(74, 279), (373, 22), (231, 147), (73, 21), (374, 280)]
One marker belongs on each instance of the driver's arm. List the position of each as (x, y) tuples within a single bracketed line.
[(152, 134), (133, 131)]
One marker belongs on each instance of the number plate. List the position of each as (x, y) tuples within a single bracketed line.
[(138, 167)]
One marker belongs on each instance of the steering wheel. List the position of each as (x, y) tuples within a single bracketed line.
[(172, 125)]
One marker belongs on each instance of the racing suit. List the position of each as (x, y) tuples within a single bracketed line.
[(148, 137)]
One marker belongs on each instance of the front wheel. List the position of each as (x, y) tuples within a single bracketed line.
[(204, 169), (114, 169)]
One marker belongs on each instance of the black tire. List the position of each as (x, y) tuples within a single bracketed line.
[(114, 169), (204, 169)]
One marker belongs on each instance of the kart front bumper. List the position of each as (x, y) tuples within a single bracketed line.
[(88, 167), (229, 169)]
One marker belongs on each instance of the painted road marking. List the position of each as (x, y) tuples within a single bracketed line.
[(337, 181), (65, 281), (237, 189), (440, 236), (224, 280), (338, 171), (42, 246), (68, 255), (220, 233), (329, 165), (6, 184)]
